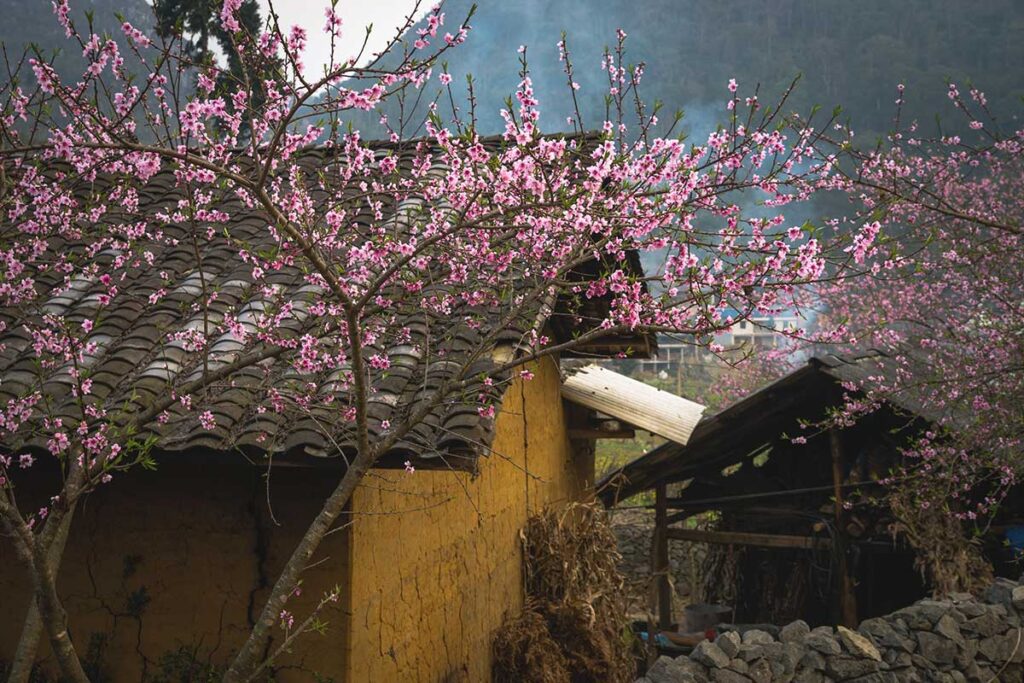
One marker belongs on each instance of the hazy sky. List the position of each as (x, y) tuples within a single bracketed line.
[(385, 15)]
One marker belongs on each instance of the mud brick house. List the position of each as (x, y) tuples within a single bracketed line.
[(168, 567)]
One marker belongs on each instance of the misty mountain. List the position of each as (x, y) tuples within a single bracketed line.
[(32, 22), (850, 54)]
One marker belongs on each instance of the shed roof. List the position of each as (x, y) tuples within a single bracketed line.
[(137, 357), (734, 432)]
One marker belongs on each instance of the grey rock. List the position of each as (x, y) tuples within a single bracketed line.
[(985, 625), (883, 633), (750, 653), (843, 667), (809, 676), (947, 627), (974, 674), (909, 676), (960, 597), (780, 672), (710, 655), (936, 648), (898, 624), (825, 644), (664, 670), (743, 628), (1017, 598), (897, 659), (729, 643), (922, 663), (972, 609), (726, 676), (857, 645), (761, 672), (791, 654), (692, 668), (794, 632), (757, 637), (922, 615), (877, 677), (823, 630), (966, 654), (1000, 649), (811, 660), (1000, 592), (678, 670), (739, 666)]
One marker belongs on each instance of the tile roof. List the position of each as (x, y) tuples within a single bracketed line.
[(136, 359)]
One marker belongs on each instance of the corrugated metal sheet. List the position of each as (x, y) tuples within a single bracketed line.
[(636, 403)]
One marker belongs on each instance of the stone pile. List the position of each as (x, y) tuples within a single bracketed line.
[(956, 639)]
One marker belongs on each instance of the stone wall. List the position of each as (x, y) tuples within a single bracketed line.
[(959, 638), (634, 533)]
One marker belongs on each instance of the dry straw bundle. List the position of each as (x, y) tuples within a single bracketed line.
[(573, 628), (948, 560)]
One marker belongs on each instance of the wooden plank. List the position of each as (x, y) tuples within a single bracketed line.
[(634, 402), (744, 538), (661, 562), (686, 503)]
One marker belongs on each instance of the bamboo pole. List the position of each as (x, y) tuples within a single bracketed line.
[(660, 568)]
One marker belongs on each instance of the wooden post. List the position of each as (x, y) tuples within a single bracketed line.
[(660, 565), (847, 606)]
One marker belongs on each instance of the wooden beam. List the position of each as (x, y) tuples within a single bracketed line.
[(593, 433), (661, 564), (847, 605), (687, 504), (744, 538)]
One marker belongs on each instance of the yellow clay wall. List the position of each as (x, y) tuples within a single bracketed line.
[(438, 554), (177, 560)]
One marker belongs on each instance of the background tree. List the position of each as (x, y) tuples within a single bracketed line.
[(477, 237), (943, 297), (196, 25)]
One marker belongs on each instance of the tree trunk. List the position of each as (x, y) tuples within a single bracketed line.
[(247, 660), (32, 628)]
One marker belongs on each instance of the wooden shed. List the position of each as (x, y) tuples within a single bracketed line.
[(793, 549)]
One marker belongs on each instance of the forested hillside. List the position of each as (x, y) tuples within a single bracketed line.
[(849, 54), (33, 23)]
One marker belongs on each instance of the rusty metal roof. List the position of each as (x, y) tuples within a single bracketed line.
[(729, 435), (137, 360)]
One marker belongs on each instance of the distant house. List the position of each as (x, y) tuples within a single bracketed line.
[(757, 332), (171, 566)]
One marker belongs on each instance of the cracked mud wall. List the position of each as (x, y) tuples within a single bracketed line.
[(167, 563), (176, 560), (432, 583)]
